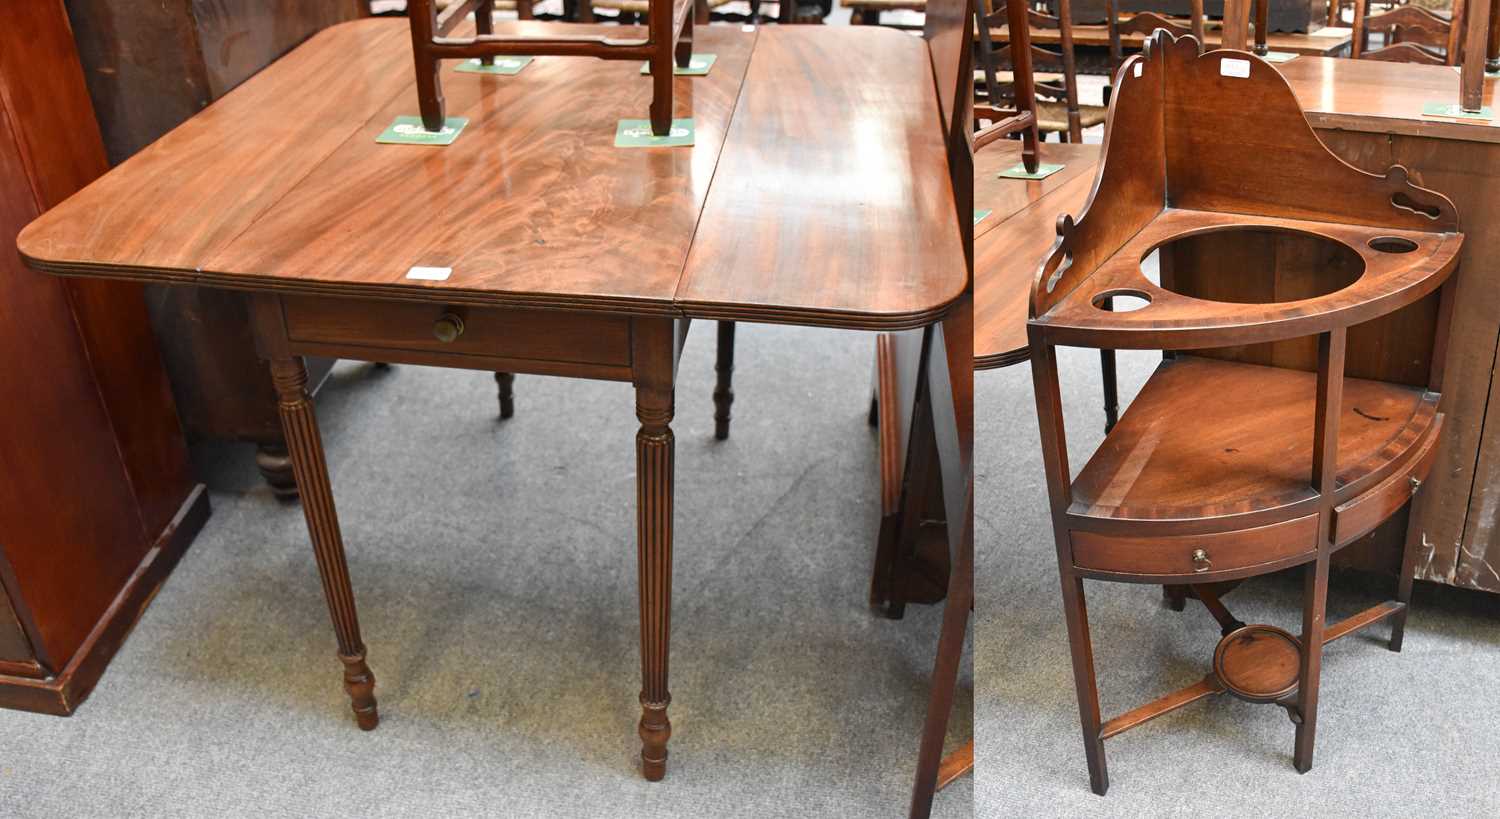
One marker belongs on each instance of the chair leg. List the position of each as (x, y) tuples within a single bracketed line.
[(1314, 608), (1408, 573), (1084, 680), (723, 389), (505, 382)]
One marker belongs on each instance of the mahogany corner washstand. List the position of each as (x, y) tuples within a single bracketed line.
[(566, 255), (1302, 306)]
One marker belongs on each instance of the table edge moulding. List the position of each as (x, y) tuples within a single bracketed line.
[(1253, 447)]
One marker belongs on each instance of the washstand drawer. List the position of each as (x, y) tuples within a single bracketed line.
[(1363, 513), (1191, 556), (538, 335)]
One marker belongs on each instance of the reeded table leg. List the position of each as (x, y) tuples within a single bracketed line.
[(300, 424), (654, 450)]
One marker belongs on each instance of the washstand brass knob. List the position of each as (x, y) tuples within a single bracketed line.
[(447, 328), (1201, 563)]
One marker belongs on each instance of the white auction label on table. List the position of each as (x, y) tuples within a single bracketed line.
[(430, 274)]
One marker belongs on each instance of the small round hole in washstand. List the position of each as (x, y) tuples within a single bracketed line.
[(1392, 244), (1121, 301)]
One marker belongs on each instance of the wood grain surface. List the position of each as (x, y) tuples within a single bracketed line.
[(843, 154), (1384, 98), (829, 205)]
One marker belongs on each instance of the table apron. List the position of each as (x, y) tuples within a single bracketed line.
[(514, 340)]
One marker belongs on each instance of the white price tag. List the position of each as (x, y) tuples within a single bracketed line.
[(1233, 67), (1138, 66), (430, 274)]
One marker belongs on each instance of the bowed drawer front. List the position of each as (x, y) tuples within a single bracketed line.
[(1194, 557)]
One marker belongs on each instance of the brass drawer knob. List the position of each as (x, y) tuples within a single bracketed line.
[(1201, 563), (447, 328)]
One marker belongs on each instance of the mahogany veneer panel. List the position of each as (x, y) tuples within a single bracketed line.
[(534, 193), (822, 255), (1383, 97), (1256, 450)]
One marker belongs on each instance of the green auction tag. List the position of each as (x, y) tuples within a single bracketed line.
[(1279, 56), (1451, 110), (980, 213), (698, 65), (1043, 171), (502, 65), (408, 130), (636, 133)]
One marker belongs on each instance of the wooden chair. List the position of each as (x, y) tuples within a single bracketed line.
[(1412, 34), (670, 37), (867, 12), (1236, 24), (1144, 23), (1303, 307), (522, 8), (1057, 107), (635, 11)]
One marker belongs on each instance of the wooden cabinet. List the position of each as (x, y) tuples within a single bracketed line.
[(98, 502), (150, 66)]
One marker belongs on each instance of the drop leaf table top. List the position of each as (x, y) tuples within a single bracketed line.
[(817, 191)]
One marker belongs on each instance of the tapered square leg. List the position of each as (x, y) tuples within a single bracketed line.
[(1408, 569), (654, 447), (1085, 683), (684, 51), (659, 23), (1314, 609), (305, 445), (724, 388)]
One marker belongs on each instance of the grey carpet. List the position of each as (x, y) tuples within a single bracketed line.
[(1409, 734), (494, 565)]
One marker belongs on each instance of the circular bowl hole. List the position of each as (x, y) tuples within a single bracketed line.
[(1256, 265), (1121, 301), (1392, 244)]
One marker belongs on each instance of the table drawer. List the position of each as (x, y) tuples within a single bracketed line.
[(497, 332), (1179, 555), (1365, 512)]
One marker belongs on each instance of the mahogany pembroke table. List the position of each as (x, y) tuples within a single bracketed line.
[(817, 193)]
